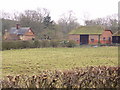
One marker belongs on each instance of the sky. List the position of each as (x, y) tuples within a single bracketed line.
[(91, 9)]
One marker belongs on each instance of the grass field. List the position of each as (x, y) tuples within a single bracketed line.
[(32, 61)]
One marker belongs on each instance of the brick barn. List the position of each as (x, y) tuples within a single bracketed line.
[(91, 35), (19, 33), (116, 37)]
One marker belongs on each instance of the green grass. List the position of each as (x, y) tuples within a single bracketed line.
[(32, 61)]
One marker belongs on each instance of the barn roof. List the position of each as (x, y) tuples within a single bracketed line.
[(88, 30), (20, 31), (117, 33)]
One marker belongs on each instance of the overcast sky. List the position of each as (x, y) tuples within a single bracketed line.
[(92, 8)]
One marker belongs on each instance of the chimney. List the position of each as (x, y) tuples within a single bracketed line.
[(17, 26)]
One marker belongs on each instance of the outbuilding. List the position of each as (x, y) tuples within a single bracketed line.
[(91, 35), (116, 37)]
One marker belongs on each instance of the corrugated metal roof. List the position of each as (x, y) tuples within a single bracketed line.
[(88, 30), (19, 31)]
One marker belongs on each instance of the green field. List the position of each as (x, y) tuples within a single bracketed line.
[(32, 61)]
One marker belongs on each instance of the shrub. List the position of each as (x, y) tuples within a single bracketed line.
[(25, 44), (89, 77), (45, 43), (7, 45), (67, 43), (63, 43), (54, 43), (36, 44), (71, 43)]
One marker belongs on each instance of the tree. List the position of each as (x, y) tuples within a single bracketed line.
[(39, 20), (48, 23), (34, 19), (68, 22), (5, 15), (109, 22)]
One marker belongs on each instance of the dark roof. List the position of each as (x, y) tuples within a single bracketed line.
[(117, 33), (88, 30), (19, 31)]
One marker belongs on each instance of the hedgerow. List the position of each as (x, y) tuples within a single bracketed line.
[(7, 45), (89, 77)]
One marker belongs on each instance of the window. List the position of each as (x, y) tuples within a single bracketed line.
[(109, 38), (104, 38), (92, 40)]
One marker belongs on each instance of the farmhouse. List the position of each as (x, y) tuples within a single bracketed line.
[(116, 37), (19, 33), (91, 35)]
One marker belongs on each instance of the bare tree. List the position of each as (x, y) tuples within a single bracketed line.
[(109, 22), (33, 18), (5, 15), (68, 22)]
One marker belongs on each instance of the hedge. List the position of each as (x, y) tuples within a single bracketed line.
[(89, 77), (7, 45)]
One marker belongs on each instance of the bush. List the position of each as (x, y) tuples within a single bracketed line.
[(63, 43), (45, 43), (36, 44), (67, 43), (7, 45), (54, 43), (89, 77), (71, 43), (0, 45)]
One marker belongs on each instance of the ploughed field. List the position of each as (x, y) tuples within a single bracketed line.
[(32, 61)]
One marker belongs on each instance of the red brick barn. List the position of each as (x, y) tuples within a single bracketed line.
[(116, 37), (19, 33), (91, 35)]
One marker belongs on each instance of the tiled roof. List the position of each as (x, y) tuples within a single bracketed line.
[(19, 31)]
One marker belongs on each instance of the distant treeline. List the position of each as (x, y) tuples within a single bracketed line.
[(41, 23)]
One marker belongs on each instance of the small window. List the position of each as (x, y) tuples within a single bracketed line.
[(104, 38), (109, 38), (92, 40)]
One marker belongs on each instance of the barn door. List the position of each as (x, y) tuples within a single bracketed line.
[(84, 39), (115, 39)]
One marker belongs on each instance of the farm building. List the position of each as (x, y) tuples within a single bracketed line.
[(91, 35), (19, 33), (116, 37)]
